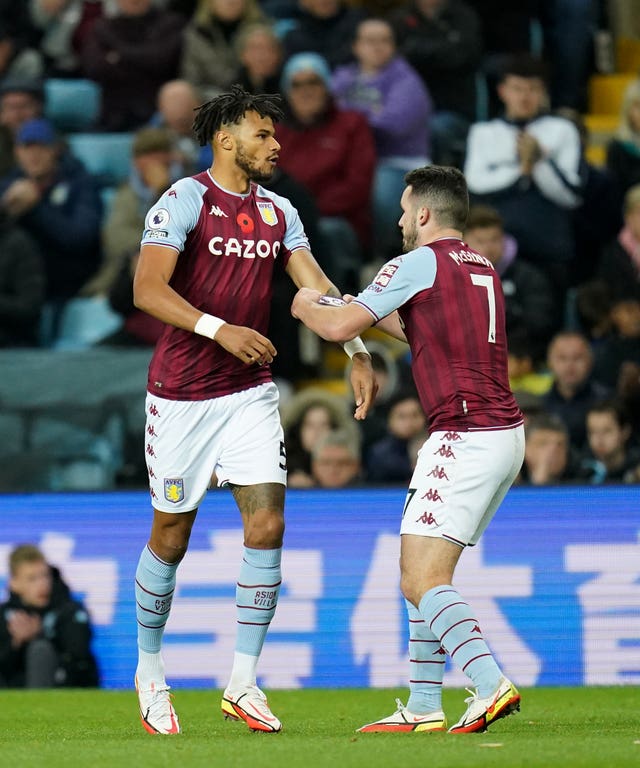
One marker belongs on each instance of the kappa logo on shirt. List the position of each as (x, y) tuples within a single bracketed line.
[(215, 211)]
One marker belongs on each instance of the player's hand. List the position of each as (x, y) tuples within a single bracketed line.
[(304, 296), (365, 386), (247, 345)]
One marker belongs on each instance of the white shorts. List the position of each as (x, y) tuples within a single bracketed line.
[(238, 436), (459, 481)]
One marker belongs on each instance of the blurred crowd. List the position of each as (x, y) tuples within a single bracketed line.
[(371, 89)]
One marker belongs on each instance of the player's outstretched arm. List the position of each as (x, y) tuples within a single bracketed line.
[(153, 294), (305, 271), (340, 323)]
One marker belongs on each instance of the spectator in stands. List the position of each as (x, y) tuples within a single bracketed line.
[(335, 460), (620, 263), (569, 28), (386, 89), (623, 150), (622, 345), (598, 217), (326, 27), (525, 374), (176, 105), (209, 57), (378, 8), (45, 635), (592, 311), (22, 286), (63, 26), (186, 8), (19, 55), (154, 167), (530, 405), (574, 391), (330, 151), (529, 297), (260, 54), (628, 391), (442, 40), (21, 99), (310, 415), (508, 29), (388, 460), (138, 329), (548, 455), (59, 203), (130, 55), (610, 458), (526, 164)]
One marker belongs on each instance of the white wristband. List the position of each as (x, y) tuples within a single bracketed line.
[(354, 346), (208, 325)]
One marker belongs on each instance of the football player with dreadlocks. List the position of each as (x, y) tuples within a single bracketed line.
[(209, 250)]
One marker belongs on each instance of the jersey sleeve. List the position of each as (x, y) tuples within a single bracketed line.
[(398, 281), (294, 236), (174, 215)]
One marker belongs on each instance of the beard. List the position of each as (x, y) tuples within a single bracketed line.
[(409, 239), (246, 164)]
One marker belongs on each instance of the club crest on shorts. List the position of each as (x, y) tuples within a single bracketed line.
[(267, 213), (174, 489)]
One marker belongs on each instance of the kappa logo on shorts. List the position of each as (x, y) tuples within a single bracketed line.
[(174, 489), (427, 518)]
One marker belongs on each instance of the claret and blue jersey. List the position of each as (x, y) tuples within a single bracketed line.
[(229, 245), (451, 305)]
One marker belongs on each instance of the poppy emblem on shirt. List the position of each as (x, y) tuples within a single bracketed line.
[(174, 489), (159, 218), (267, 213), (245, 223)]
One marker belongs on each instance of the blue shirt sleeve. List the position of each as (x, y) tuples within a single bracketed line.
[(398, 281), (294, 236), (174, 215)]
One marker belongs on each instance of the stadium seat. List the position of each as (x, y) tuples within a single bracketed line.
[(72, 105), (606, 93), (86, 321), (106, 155)]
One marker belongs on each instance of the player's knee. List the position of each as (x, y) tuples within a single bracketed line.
[(170, 542), (265, 532), (408, 587), (415, 586)]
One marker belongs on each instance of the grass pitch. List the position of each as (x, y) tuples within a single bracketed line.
[(557, 727)]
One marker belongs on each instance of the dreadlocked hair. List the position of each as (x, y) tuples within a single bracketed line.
[(230, 108)]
